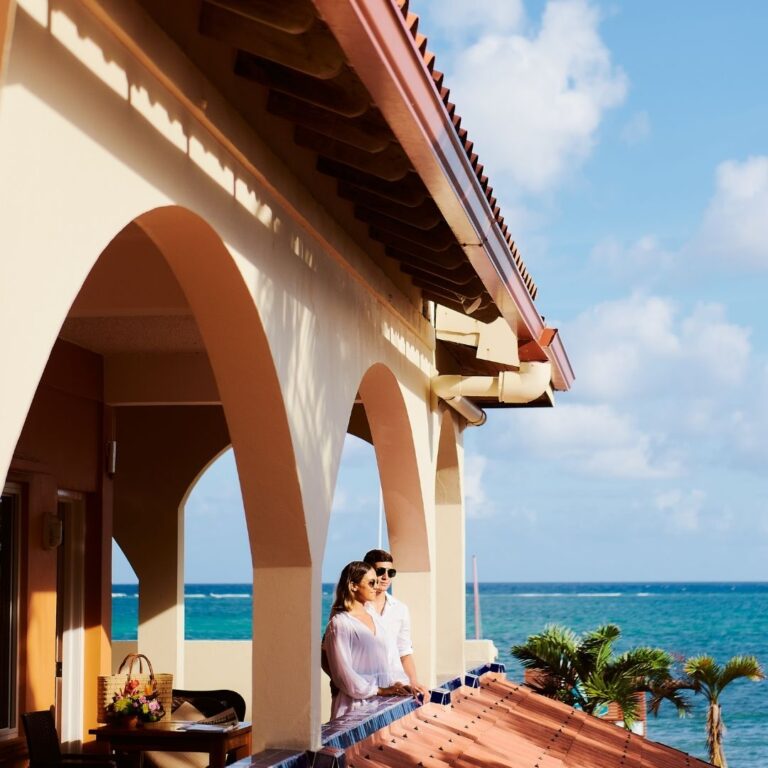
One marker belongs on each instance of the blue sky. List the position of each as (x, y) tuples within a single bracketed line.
[(627, 144)]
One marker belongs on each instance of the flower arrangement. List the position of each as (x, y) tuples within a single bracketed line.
[(135, 700)]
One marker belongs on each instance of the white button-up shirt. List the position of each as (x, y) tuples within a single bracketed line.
[(397, 619)]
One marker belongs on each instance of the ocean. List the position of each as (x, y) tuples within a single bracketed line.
[(686, 619)]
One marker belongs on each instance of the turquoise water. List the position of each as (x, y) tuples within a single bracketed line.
[(686, 619)]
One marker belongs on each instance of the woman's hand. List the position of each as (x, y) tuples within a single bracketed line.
[(398, 689)]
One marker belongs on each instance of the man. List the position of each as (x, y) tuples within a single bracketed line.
[(394, 614)]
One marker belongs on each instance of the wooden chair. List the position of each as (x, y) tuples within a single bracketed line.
[(44, 748), (211, 702)]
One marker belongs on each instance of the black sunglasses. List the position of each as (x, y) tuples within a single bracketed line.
[(391, 572)]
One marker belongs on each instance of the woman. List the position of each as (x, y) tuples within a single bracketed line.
[(358, 648)]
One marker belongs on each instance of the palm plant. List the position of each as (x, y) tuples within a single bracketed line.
[(710, 679), (583, 671)]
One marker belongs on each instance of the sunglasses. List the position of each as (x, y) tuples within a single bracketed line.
[(371, 583), (391, 572)]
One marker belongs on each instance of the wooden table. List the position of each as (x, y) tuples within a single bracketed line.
[(168, 737)]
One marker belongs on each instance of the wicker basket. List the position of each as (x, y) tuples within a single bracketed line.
[(109, 685)]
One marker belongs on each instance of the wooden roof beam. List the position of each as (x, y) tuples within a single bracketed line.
[(294, 16), (362, 132), (343, 94), (390, 164), (314, 52), (408, 191)]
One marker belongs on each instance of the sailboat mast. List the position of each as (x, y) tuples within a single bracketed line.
[(478, 628)]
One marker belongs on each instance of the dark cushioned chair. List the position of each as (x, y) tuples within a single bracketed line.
[(45, 751), (211, 702)]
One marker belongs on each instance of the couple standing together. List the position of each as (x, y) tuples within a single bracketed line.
[(367, 644)]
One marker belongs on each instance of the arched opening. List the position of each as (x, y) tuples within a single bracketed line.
[(160, 363), (393, 441), (378, 503), (355, 525), (125, 598)]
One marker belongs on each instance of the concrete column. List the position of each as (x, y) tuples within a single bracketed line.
[(161, 451), (417, 589), (161, 597), (450, 555), (286, 654), (7, 8)]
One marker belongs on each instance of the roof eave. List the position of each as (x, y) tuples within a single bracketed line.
[(380, 49)]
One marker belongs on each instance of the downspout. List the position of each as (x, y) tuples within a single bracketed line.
[(475, 417), (514, 387)]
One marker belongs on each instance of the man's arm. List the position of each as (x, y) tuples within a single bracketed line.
[(409, 666), (406, 649)]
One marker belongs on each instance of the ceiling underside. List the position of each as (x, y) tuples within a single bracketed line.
[(279, 57)]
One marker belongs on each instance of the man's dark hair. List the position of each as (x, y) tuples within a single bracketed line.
[(378, 556)]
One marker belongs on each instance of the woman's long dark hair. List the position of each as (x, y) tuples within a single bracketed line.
[(353, 573)]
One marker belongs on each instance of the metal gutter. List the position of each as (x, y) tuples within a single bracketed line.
[(381, 50)]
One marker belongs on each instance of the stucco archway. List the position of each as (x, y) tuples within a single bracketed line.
[(392, 435), (246, 379), (189, 287), (395, 439)]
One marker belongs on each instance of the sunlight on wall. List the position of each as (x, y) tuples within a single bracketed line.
[(87, 52), (166, 112)]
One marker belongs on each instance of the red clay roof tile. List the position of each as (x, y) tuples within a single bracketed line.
[(506, 725), (420, 42)]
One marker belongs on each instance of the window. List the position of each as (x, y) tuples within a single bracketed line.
[(9, 522)]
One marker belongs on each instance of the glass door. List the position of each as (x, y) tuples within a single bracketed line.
[(70, 620), (9, 611)]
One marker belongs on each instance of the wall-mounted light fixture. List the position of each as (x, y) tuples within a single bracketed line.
[(53, 531), (111, 457)]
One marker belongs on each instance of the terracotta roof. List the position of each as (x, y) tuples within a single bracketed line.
[(377, 138), (503, 724), (296, 68), (420, 41)]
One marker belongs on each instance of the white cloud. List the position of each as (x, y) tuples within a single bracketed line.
[(721, 349), (637, 129), (735, 224), (642, 261), (340, 500), (644, 346), (597, 439), (733, 230), (475, 497), (681, 510), (461, 17), (533, 103)]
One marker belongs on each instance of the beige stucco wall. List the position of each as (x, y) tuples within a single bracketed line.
[(91, 138), (213, 664)]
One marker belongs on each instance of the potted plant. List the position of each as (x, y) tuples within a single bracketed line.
[(135, 703)]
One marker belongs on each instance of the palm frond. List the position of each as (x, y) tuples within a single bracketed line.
[(595, 649), (643, 662), (621, 691), (740, 666), (705, 671), (671, 690), (551, 652)]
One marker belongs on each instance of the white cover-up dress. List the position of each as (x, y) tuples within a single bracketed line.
[(360, 661)]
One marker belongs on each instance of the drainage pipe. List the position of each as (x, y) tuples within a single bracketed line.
[(474, 416), (514, 387)]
